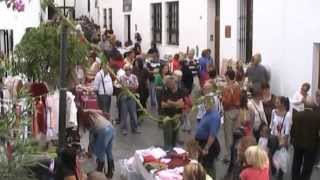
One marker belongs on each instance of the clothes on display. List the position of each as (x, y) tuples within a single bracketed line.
[(156, 164), (52, 106), (39, 124)]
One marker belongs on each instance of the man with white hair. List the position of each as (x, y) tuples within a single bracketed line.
[(171, 105)]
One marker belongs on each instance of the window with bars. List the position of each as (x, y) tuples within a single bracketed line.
[(104, 17), (6, 41), (173, 23), (244, 50), (110, 18), (157, 23)]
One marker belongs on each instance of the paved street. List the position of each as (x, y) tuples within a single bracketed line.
[(124, 147)]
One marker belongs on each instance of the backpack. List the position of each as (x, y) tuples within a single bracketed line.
[(231, 96)]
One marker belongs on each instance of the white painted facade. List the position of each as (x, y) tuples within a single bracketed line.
[(82, 9), (286, 33), (196, 23), (20, 21)]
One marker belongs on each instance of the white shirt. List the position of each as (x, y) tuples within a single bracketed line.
[(296, 102), (100, 78), (120, 73), (280, 126), (259, 115)]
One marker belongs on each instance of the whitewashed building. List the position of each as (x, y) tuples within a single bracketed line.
[(13, 24), (89, 8), (285, 32), (173, 25)]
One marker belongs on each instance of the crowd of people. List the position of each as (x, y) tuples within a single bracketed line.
[(258, 127)]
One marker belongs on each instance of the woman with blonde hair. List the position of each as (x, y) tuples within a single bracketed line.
[(195, 171), (258, 164)]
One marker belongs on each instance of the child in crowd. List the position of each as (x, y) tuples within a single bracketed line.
[(239, 162), (264, 135), (195, 171), (193, 148), (258, 164)]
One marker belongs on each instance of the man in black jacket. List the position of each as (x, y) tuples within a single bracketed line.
[(305, 139)]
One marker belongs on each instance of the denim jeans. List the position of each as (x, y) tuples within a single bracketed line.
[(101, 143), (104, 102), (128, 106)]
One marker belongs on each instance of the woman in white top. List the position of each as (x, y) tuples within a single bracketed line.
[(281, 120), (259, 115), (280, 127)]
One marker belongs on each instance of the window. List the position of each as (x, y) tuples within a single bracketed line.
[(173, 23), (6, 42), (89, 6), (157, 23), (105, 17), (245, 30), (110, 18)]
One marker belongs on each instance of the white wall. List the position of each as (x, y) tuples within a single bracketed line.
[(228, 17), (117, 16), (285, 34), (81, 9), (211, 11), (19, 21)]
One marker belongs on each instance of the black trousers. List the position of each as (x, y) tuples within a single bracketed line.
[(303, 161)]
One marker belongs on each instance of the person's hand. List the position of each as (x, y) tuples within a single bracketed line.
[(205, 151)]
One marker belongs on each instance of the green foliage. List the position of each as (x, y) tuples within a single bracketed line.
[(38, 54), (12, 130)]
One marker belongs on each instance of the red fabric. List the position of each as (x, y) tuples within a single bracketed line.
[(255, 174), (40, 117), (149, 158), (178, 162), (117, 63), (89, 102), (247, 127), (187, 103), (204, 78), (38, 89), (39, 123), (9, 151), (175, 64)]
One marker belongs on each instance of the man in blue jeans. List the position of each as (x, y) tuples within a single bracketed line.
[(127, 103), (103, 86)]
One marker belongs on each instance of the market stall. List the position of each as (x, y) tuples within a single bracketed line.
[(155, 164)]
